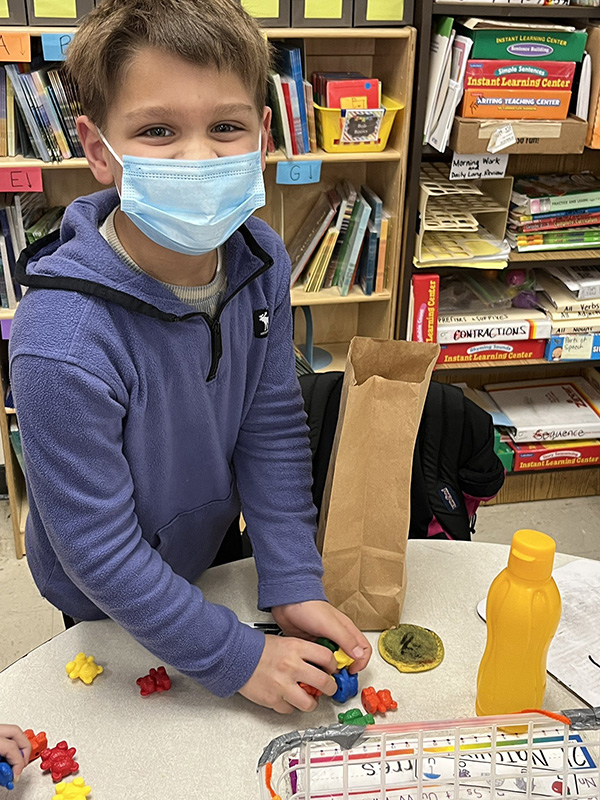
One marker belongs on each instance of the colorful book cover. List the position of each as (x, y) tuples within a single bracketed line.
[(320, 261), (466, 353), (311, 232), (554, 222), (540, 75), (425, 294), (291, 61), (291, 105), (549, 409), (349, 260), (348, 194), (573, 347), (353, 93), (535, 457), (567, 239), (528, 41), (515, 104)]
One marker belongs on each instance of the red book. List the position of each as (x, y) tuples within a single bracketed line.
[(341, 94), (290, 115), (425, 294), (466, 352)]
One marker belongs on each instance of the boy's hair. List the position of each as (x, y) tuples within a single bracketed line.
[(214, 33)]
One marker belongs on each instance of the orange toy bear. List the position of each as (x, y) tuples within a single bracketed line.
[(39, 742), (377, 702)]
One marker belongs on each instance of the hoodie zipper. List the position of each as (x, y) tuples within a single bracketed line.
[(214, 323)]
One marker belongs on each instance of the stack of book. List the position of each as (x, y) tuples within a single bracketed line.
[(342, 242), (523, 70), (38, 109), (479, 331), (555, 212), (23, 219), (570, 296), (550, 423), (290, 97)]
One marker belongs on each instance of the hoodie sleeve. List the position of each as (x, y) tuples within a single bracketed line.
[(71, 424), (274, 471)]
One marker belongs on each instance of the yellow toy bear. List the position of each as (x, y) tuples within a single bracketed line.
[(84, 668)]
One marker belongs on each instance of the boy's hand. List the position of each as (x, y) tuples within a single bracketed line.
[(15, 747), (318, 618), (285, 663)]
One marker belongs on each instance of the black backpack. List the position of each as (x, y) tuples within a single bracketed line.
[(454, 456)]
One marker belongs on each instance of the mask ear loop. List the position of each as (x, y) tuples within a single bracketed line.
[(109, 148)]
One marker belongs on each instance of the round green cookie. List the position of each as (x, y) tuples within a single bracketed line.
[(411, 648)]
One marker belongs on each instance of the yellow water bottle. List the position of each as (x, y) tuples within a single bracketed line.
[(523, 612)]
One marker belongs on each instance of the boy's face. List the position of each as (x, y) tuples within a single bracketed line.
[(167, 107)]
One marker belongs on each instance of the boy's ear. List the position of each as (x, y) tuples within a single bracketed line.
[(265, 128), (95, 151)]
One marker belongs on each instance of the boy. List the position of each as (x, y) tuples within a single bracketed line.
[(152, 362)]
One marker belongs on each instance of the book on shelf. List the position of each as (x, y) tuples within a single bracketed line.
[(506, 325), (317, 268), (382, 260), (368, 262), (440, 49), (439, 135), (293, 112), (566, 239), (581, 280), (555, 455), (311, 232), (469, 352), (531, 223), (289, 61), (280, 124), (561, 298), (348, 194), (346, 90), (549, 409), (539, 194), (349, 255), (423, 307), (573, 347), (310, 115)]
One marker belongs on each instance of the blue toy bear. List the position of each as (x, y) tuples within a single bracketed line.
[(6, 774), (347, 686)]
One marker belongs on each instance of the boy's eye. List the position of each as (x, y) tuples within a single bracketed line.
[(225, 127), (158, 133)]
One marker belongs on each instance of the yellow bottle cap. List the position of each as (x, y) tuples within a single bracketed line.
[(532, 555)]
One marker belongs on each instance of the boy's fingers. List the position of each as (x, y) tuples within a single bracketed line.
[(319, 655), (301, 699), (12, 753), (322, 681)]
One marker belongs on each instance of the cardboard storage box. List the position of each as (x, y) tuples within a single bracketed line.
[(558, 455), (533, 136), (376, 13), (64, 12), (270, 13), (13, 12), (515, 104), (321, 13)]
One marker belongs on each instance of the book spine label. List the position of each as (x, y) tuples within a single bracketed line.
[(425, 289), (572, 454), (504, 74), (568, 221), (491, 351), (541, 205), (490, 331)]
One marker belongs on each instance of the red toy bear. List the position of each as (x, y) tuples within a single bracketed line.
[(157, 680), (59, 760), (377, 702)]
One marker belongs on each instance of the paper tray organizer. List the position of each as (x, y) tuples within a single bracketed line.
[(454, 216), (330, 125), (470, 759)]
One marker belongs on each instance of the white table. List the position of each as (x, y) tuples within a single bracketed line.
[(186, 743)]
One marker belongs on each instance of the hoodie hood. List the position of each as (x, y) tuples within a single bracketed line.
[(78, 258)]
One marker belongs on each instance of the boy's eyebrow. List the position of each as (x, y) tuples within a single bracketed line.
[(162, 112)]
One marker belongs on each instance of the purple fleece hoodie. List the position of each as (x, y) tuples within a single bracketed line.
[(146, 427)]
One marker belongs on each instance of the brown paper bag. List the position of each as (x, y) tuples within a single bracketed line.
[(365, 515)]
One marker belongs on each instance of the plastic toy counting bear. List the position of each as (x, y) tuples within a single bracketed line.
[(342, 659), (59, 761), (71, 791), (84, 668), (157, 680), (39, 742), (347, 686), (6, 775), (377, 702), (354, 716)]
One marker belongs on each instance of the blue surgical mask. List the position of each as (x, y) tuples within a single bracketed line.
[(191, 207)]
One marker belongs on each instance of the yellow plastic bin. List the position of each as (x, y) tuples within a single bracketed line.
[(330, 124)]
